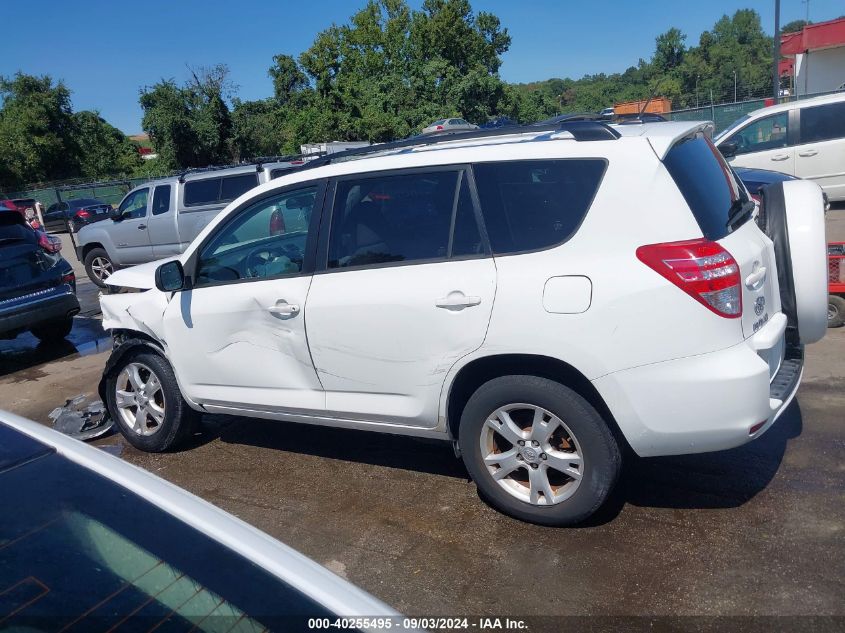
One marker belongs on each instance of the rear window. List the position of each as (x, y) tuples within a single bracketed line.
[(531, 205), (705, 181)]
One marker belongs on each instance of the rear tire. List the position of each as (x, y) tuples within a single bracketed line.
[(145, 402), (53, 332), (99, 266), (568, 461), (835, 311)]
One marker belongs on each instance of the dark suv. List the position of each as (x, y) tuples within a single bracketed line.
[(37, 285)]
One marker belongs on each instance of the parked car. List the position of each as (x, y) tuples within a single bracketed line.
[(95, 543), (37, 285), (606, 113), (804, 138), (449, 125), (497, 293), (75, 214), (160, 218)]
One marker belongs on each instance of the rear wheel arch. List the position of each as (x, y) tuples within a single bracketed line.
[(481, 370)]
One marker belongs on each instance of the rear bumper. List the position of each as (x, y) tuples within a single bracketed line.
[(53, 305), (703, 403)]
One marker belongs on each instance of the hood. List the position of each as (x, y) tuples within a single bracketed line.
[(141, 277)]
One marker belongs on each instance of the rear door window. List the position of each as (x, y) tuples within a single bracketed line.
[(706, 182), (823, 123), (406, 218), (536, 204), (161, 199)]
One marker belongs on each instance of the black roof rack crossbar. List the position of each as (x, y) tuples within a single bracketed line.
[(580, 130)]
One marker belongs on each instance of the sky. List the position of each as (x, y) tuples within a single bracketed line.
[(106, 51)]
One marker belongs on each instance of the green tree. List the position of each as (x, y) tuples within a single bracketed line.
[(794, 26), (190, 125), (104, 150), (37, 131)]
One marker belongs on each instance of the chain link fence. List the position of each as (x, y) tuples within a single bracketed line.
[(724, 114), (108, 191)]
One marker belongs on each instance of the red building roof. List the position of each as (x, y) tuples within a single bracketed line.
[(814, 37)]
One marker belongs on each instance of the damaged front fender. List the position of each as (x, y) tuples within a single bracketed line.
[(135, 311), (124, 343)]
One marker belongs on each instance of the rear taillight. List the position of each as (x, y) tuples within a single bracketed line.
[(277, 223), (70, 278), (439, 127), (701, 268), (49, 243), (83, 213)]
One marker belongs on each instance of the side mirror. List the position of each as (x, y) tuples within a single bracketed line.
[(728, 149), (116, 215), (170, 276)]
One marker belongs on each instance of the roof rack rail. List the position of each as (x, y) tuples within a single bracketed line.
[(258, 162), (580, 130)]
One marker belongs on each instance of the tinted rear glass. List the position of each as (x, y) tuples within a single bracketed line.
[(84, 553), (233, 186), (161, 199), (202, 191), (530, 205), (706, 183), (822, 123)]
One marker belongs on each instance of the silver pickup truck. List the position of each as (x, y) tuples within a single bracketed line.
[(160, 218)]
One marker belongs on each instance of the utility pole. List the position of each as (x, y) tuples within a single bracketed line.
[(807, 15), (776, 53), (696, 90), (734, 86)]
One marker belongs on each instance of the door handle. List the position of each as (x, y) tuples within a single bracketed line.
[(141, 227), (755, 279), (283, 308), (808, 152), (780, 156), (457, 300)]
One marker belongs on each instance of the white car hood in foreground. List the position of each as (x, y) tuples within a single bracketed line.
[(141, 277), (315, 581)]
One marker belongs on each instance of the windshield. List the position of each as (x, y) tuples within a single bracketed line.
[(82, 553), (728, 130)]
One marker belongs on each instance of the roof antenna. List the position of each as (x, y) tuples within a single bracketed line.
[(650, 97)]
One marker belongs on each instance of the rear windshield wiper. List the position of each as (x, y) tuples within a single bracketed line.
[(739, 209)]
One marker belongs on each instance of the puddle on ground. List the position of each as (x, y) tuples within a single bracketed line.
[(26, 352)]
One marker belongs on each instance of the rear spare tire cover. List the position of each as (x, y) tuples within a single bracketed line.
[(795, 223)]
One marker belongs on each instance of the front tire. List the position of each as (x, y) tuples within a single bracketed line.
[(144, 400), (99, 266), (538, 451)]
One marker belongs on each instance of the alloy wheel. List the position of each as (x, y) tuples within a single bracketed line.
[(140, 399), (102, 268), (532, 454)]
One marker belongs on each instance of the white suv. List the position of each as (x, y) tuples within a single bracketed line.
[(545, 298)]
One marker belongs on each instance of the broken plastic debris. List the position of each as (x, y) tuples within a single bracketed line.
[(79, 421)]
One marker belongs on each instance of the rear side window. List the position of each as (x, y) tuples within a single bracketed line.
[(161, 199), (202, 191), (403, 218), (823, 123), (705, 181), (233, 186), (531, 205)]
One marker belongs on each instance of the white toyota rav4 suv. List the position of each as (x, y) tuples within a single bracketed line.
[(545, 298)]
